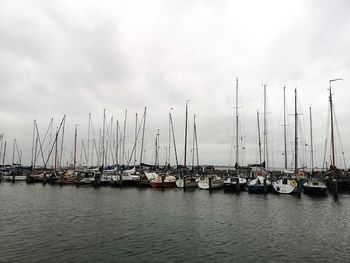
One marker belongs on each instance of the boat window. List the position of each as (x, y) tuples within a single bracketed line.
[(284, 180)]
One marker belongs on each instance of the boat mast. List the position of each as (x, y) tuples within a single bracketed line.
[(265, 131), (126, 112), (13, 152), (237, 127), (135, 139), (4, 155), (285, 128), (103, 139), (88, 146), (64, 124), (295, 133), (193, 139), (2, 141), (172, 129), (33, 145), (169, 142), (186, 134), (257, 115), (195, 132), (143, 135), (157, 149), (311, 144), (56, 148), (75, 146), (332, 123), (117, 145)]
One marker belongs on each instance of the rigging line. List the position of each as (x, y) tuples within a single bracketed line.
[(326, 141), (43, 142), (340, 141)]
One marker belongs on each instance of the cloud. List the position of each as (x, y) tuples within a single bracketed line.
[(80, 57)]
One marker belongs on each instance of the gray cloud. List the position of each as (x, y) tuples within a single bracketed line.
[(79, 57)]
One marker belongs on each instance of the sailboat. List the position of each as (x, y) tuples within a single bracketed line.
[(314, 185), (236, 183), (187, 181), (210, 181), (336, 177), (260, 184), (286, 184)]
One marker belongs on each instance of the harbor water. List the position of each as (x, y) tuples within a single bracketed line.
[(85, 224)]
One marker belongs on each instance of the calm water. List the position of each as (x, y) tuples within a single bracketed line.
[(68, 224)]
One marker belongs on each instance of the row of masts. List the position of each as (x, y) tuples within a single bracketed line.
[(116, 146)]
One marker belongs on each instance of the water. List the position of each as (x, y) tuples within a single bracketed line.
[(68, 224)]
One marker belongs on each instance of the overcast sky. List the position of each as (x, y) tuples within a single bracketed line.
[(78, 57)]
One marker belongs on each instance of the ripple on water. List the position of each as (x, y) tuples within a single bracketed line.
[(61, 224)]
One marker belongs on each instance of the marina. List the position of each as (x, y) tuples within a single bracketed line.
[(174, 131)]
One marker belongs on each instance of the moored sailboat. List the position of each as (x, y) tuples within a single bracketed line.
[(237, 182)]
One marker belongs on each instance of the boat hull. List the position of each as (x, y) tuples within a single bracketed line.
[(164, 184), (188, 184), (285, 186), (230, 184), (216, 183), (257, 186)]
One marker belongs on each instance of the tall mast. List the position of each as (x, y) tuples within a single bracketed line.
[(13, 152), (332, 128), (186, 134), (88, 142), (195, 132), (157, 149), (2, 141), (236, 165), (135, 140), (64, 123), (75, 147), (117, 145), (265, 131), (143, 135), (295, 133), (193, 140), (311, 144), (172, 129), (124, 131), (259, 141), (169, 142), (285, 128), (33, 145), (4, 155), (103, 138), (56, 148)]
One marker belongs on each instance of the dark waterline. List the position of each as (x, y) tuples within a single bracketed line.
[(68, 224)]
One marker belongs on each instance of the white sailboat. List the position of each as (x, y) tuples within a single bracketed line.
[(230, 184), (287, 185), (209, 182)]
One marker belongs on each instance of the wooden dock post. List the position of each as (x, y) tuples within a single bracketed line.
[(97, 179), (237, 184), (163, 177), (44, 178), (299, 187), (184, 181), (28, 179), (61, 178), (140, 181), (210, 183), (120, 180), (335, 182), (265, 186)]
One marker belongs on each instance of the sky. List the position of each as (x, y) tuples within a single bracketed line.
[(78, 57)]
